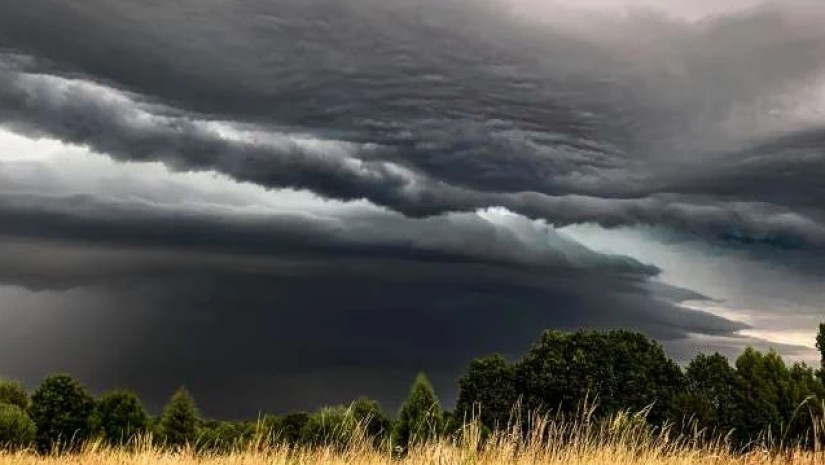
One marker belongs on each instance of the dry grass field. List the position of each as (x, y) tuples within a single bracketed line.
[(621, 441)]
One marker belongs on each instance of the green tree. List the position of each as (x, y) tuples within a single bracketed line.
[(12, 392), (119, 416), (712, 395), (17, 430), (60, 407), (180, 419), (620, 370), (420, 417), (487, 392), (768, 403)]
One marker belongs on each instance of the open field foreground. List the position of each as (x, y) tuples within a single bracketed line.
[(429, 455), (617, 441)]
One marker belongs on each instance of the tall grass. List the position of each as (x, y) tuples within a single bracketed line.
[(621, 439)]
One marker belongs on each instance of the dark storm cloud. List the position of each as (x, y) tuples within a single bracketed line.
[(113, 123), (435, 110), (443, 106), (235, 305), (228, 327)]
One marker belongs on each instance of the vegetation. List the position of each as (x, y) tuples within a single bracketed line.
[(180, 420), (420, 417), (17, 430), (119, 416), (618, 439), (12, 392), (576, 397), (61, 407)]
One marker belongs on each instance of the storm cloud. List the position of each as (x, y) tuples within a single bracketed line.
[(296, 195)]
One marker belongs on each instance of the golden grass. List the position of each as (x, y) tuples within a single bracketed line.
[(622, 440)]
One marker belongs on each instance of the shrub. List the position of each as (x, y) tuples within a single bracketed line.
[(119, 416), (333, 426), (60, 407), (224, 436), (369, 416), (288, 428), (17, 430)]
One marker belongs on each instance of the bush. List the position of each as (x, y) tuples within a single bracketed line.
[(180, 419), (369, 416), (60, 407), (331, 426), (288, 428), (13, 393), (119, 416), (224, 436), (17, 430)]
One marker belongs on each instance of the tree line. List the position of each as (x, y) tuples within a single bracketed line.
[(757, 396)]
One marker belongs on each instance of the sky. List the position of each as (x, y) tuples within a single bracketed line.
[(290, 203)]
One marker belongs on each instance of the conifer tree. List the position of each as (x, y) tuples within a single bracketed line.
[(420, 417), (180, 419)]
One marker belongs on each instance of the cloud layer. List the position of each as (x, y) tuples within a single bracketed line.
[(339, 179)]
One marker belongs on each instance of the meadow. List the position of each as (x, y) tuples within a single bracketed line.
[(619, 440)]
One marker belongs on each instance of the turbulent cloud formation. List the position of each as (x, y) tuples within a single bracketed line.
[(388, 186)]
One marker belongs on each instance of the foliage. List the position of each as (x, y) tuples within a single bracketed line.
[(180, 419), (12, 392), (119, 416), (488, 392), (420, 417), (224, 436), (712, 396), (288, 428), (17, 430), (758, 402), (369, 416), (620, 370), (60, 407), (333, 426)]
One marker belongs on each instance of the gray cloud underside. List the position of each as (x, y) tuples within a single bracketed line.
[(115, 124), (453, 106)]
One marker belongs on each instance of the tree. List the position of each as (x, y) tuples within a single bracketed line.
[(17, 430), (12, 392), (712, 394), (60, 407), (180, 419), (766, 401), (487, 391), (620, 370), (420, 417), (119, 416)]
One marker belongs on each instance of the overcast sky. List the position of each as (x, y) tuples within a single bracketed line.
[(289, 203)]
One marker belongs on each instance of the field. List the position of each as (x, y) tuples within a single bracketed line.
[(620, 441)]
